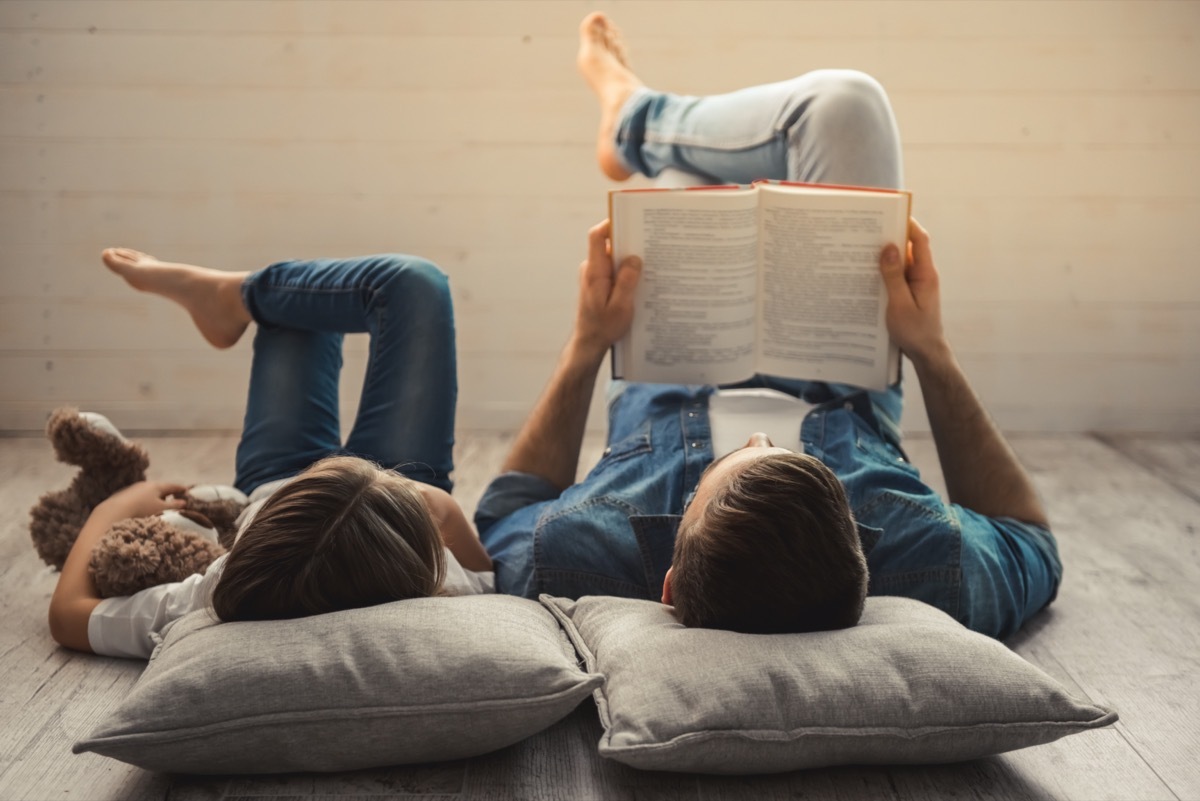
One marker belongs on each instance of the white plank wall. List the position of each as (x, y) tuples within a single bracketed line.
[(1053, 149)]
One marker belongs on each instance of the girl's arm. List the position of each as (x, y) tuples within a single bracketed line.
[(76, 596), (458, 534)]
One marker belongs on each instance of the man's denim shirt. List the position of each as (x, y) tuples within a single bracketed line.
[(613, 533)]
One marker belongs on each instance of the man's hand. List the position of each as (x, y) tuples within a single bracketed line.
[(605, 309), (144, 499), (914, 311)]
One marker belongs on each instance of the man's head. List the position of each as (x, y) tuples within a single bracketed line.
[(768, 545)]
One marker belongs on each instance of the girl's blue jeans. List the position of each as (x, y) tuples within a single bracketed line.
[(303, 309)]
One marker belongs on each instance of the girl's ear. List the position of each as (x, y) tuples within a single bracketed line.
[(666, 596)]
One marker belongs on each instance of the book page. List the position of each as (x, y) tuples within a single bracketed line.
[(695, 305), (823, 303)]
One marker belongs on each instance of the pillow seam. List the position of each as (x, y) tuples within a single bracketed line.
[(568, 625), (185, 734), (774, 736)]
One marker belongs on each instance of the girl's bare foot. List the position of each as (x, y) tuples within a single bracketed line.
[(212, 297), (601, 59)]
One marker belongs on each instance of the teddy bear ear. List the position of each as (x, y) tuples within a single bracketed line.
[(101, 423), (90, 440)]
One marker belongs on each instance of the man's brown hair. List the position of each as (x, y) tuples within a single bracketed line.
[(775, 550), (343, 534)]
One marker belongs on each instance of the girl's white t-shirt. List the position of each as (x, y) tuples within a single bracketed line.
[(129, 626)]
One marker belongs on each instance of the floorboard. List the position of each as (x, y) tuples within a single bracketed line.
[(1124, 631), (1174, 460)]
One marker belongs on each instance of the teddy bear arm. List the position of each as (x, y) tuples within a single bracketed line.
[(221, 505), (145, 552)]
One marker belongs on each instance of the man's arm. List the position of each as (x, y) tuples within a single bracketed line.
[(548, 444), (981, 471), (75, 595)]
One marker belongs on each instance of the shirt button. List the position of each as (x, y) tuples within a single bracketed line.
[(695, 444), (607, 451), (691, 414)]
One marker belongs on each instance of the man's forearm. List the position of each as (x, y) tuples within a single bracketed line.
[(549, 443), (981, 471)]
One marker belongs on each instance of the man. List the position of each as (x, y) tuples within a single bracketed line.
[(766, 538)]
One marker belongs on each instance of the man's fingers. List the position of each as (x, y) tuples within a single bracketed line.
[(628, 275), (598, 242), (625, 284), (891, 267), (922, 253)]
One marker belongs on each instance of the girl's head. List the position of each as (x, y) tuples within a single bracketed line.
[(343, 534)]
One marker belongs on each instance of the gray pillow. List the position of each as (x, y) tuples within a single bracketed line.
[(908, 684), (411, 681)]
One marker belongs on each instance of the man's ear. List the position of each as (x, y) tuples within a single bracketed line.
[(666, 598)]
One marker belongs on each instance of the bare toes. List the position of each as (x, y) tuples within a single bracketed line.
[(124, 257), (615, 45), (600, 37), (594, 24)]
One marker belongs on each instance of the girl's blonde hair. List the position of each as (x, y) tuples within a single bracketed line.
[(343, 534)]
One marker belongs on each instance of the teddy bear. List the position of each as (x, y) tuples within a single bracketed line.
[(141, 552)]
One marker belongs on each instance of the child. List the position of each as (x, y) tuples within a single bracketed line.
[(330, 526)]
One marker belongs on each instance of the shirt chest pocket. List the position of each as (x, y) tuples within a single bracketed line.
[(628, 469), (636, 443), (879, 450)]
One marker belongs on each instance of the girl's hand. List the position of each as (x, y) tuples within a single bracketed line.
[(144, 499)]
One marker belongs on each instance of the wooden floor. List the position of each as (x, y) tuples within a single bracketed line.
[(1125, 631)]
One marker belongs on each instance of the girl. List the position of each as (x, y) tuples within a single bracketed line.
[(330, 526)]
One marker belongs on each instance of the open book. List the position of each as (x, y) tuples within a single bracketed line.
[(775, 278)]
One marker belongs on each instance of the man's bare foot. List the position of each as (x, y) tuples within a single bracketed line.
[(601, 59), (212, 297)]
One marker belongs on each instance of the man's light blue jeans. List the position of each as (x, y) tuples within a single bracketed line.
[(303, 310), (826, 126)]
